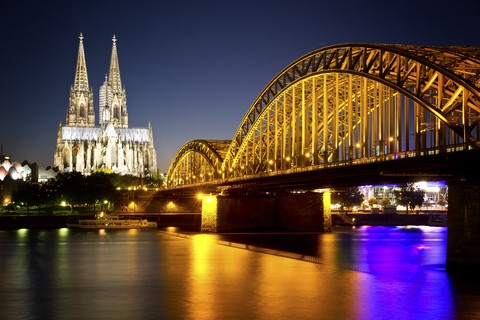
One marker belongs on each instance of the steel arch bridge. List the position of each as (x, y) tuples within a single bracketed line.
[(198, 161), (348, 103)]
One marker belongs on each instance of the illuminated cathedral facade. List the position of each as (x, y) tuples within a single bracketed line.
[(84, 146)]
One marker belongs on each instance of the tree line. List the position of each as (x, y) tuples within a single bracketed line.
[(407, 195), (75, 189)]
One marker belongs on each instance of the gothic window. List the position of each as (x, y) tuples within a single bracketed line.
[(66, 158), (113, 152), (82, 111), (146, 162), (116, 112), (74, 158)]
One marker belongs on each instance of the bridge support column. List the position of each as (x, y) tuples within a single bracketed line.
[(209, 214), (463, 241), (327, 211), (230, 213), (304, 211), (282, 211)]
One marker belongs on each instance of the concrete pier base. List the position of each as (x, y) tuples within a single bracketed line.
[(279, 211), (463, 241)]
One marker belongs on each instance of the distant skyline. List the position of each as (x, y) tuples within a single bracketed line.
[(190, 68)]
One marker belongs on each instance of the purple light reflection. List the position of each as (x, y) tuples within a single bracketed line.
[(407, 268)]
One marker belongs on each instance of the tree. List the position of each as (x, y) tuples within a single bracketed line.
[(49, 192), (71, 187), (27, 193), (385, 202), (409, 196), (99, 188), (372, 202), (347, 198)]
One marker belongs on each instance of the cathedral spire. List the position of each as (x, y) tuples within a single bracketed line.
[(80, 104), (81, 77), (114, 93), (114, 74)]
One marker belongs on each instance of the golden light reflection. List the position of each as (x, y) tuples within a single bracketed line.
[(201, 249), (172, 229), (22, 232), (63, 232), (210, 267), (132, 231)]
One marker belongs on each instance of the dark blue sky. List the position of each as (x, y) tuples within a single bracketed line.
[(191, 68)]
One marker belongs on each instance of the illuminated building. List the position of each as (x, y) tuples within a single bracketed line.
[(83, 146)]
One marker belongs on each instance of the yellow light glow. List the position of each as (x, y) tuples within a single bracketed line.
[(63, 203), (200, 196), (209, 213)]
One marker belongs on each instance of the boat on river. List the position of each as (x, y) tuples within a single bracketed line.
[(107, 221)]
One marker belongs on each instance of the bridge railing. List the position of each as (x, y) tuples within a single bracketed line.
[(372, 159)]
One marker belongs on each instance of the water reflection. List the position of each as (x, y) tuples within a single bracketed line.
[(363, 273)]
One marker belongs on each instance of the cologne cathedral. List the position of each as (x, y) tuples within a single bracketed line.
[(83, 146)]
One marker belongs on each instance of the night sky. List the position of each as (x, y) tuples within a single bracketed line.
[(191, 68)]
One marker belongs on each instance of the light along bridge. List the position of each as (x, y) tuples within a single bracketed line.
[(346, 115)]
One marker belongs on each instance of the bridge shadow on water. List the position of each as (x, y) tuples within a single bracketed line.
[(409, 254)]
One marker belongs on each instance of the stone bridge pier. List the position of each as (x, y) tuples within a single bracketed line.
[(278, 211), (463, 240)]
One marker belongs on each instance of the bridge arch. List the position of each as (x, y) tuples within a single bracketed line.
[(359, 100), (197, 161)]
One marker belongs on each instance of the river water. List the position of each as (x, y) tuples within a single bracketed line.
[(351, 273)]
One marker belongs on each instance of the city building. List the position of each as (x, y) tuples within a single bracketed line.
[(84, 146)]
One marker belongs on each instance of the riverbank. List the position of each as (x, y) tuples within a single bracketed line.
[(428, 219), (193, 221), (38, 221)]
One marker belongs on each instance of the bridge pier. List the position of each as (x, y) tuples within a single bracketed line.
[(463, 240), (280, 211)]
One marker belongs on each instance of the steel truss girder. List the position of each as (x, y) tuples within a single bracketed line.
[(337, 117), (442, 80)]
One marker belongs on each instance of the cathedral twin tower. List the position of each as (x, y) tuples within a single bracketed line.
[(83, 146)]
